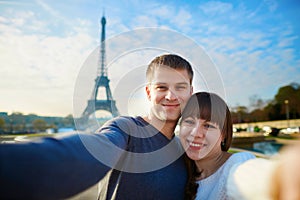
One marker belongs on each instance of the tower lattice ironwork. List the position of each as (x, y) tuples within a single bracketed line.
[(102, 81)]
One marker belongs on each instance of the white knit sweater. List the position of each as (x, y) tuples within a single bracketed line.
[(214, 186)]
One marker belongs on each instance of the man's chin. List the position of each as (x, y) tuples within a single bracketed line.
[(172, 119), (169, 117)]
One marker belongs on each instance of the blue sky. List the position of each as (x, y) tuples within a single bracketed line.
[(255, 45)]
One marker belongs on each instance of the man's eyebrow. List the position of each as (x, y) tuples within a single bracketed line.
[(182, 83), (160, 83), (164, 83)]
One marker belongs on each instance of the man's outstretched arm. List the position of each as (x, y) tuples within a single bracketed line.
[(55, 168)]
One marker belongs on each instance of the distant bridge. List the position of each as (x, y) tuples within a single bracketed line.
[(276, 124)]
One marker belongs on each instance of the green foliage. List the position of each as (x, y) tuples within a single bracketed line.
[(2, 123), (286, 103), (256, 129), (39, 125), (287, 100), (68, 121)]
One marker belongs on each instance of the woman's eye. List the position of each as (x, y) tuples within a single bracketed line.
[(189, 121), (209, 126)]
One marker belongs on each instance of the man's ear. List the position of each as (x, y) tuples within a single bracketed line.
[(192, 90), (148, 92)]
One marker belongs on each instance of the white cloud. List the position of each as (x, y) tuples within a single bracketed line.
[(161, 11), (253, 62), (182, 19), (49, 9), (42, 47), (39, 71), (14, 2), (144, 21), (167, 15), (272, 5), (216, 7), (288, 41)]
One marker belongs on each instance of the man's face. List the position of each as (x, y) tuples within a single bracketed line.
[(168, 93)]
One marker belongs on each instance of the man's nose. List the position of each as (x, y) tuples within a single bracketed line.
[(171, 95)]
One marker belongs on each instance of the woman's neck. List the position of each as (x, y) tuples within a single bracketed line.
[(210, 165)]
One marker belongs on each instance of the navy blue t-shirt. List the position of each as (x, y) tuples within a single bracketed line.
[(55, 168)]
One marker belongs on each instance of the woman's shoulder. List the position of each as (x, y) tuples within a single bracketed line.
[(241, 156), (237, 159)]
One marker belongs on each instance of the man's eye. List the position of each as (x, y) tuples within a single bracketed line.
[(161, 87), (180, 87)]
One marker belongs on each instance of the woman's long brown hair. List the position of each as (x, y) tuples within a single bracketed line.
[(210, 107), (191, 186)]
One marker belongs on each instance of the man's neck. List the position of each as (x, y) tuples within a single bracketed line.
[(165, 127)]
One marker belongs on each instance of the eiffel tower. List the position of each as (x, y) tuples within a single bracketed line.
[(102, 81)]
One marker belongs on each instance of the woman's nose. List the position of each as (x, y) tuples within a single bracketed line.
[(198, 131)]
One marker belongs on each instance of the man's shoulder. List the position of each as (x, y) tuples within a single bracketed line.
[(123, 123), (122, 120)]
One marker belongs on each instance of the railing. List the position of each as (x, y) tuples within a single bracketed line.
[(257, 154)]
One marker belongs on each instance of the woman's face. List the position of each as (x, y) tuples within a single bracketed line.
[(200, 138)]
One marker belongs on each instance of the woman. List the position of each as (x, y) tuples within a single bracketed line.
[(206, 134)]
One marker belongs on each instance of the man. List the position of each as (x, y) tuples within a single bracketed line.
[(138, 156)]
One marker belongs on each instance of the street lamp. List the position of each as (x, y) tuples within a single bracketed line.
[(286, 102)]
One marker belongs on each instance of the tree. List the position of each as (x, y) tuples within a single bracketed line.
[(68, 121), (256, 102), (240, 114), (258, 115), (39, 125), (288, 96), (2, 123)]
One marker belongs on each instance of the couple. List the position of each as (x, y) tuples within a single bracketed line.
[(134, 157)]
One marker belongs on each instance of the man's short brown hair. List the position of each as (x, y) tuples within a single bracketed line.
[(170, 60)]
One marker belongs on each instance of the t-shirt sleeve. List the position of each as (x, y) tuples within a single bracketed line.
[(56, 168)]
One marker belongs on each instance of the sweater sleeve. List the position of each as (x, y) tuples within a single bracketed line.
[(250, 180), (55, 168)]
